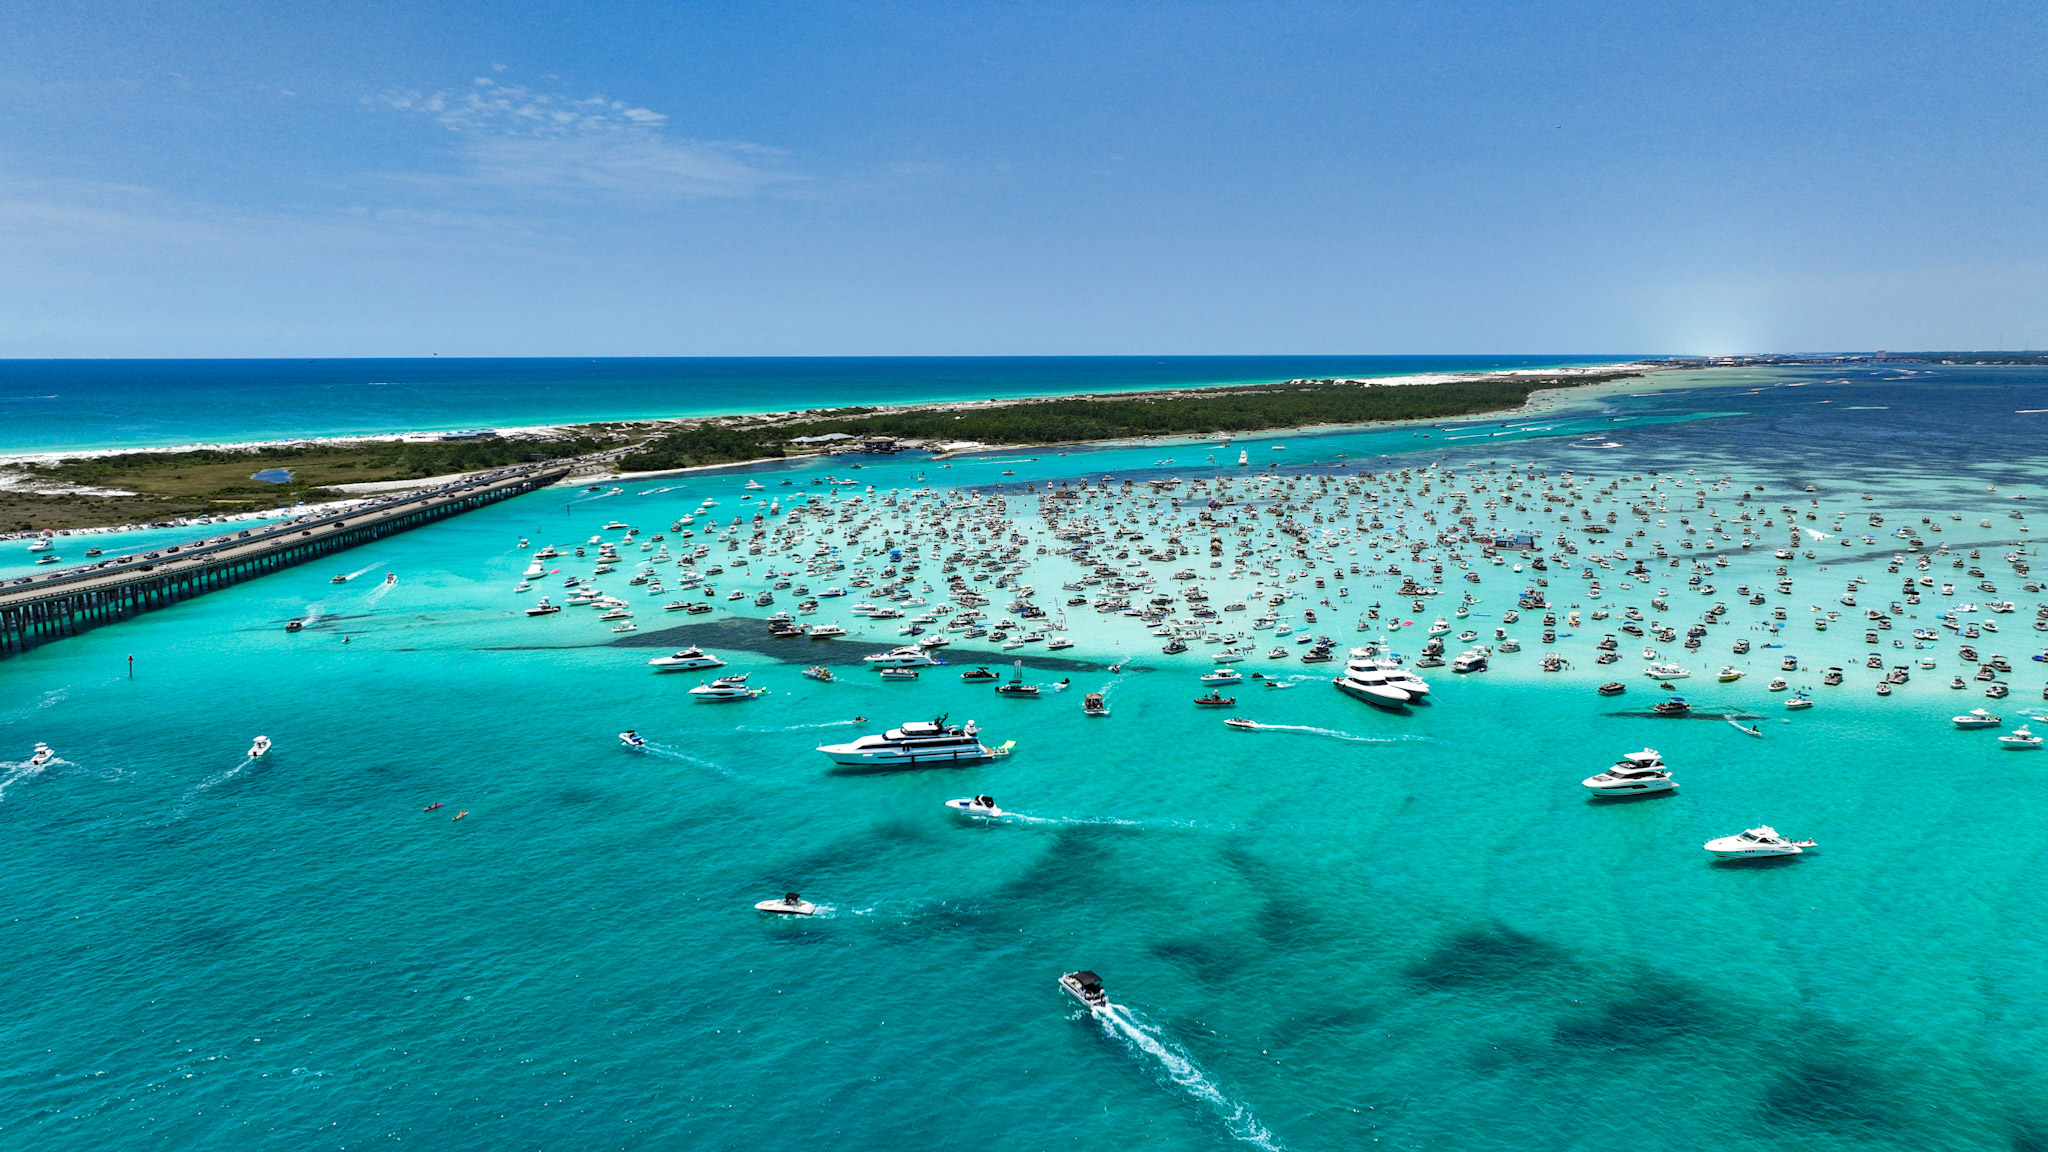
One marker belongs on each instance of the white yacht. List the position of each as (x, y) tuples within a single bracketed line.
[(976, 806), (725, 688), (914, 742), (2019, 739), (906, 656), (688, 660), (1364, 679), (1397, 676), (790, 905), (1976, 718), (1635, 774), (1755, 842), (1665, 672)]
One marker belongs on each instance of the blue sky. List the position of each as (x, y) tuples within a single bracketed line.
[(790, 179)]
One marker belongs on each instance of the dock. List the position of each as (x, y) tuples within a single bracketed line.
[(37, 609)]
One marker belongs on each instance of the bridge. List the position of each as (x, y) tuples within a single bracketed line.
[(37, 609)]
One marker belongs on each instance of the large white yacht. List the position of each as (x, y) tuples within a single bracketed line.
[(725, 688), (915, 742), (1635, 774), (906, 656), (1364, 679), (1397, 676), (1755, 842), (687, 660), (1666, 672)]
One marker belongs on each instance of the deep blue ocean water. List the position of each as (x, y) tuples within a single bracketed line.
[(48, 404), (1367, 931)]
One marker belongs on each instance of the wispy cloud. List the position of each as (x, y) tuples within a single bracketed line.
[(571, 147)]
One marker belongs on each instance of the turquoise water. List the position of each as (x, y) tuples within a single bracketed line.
[(1370, 929), (74, 404)]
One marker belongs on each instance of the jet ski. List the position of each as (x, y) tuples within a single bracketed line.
[(1087, 988), (632, 739), (790, 905), (976, 806), (257, 749)]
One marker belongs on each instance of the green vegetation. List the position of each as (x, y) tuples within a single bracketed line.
[(705, 444), (1210, 410), (218, 480)]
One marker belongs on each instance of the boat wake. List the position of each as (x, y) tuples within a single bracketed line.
[(677, 754), (379, 592), (365, 568), (14, 773), (796, 727), (1332, 733), (1237, 1116)]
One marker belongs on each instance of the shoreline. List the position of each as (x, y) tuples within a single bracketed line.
[(15, 477)]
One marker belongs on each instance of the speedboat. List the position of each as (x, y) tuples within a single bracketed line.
[(914, 742), (1665, 672), (1730, 674), (1241, 722), (725, 688), (975, 806), (543, 608), (2019, 740), (790, 905), (899, 673), (1778, 684), (819, 672), (1223, 676), (259, 747), (1215, 699), (1976, 718), (632, 739), (1799, 701), (1756, 842), (979, 676), (906, 656), (1635, 774), (41, 756), (687, 660), (1087, 986)]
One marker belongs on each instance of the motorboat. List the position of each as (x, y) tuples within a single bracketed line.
[(912, 743), (790, 905), (1398, 677), (725, 688), (1976, 718), (1676, 706), (819, 672), (343, 579), (1087, 986), (1472, 661), (543, 608), (1729, 674), (1799, 702), (1242, 723), (632, 739), (826, 631), (688, 660), (1215, 699), (41, 756), (1612, 688), (1093, 705), (1016, 685), (979, 676), (976, 806), (1662, 671), (258, 747), (1778, 684), (899, 673), (905, 656), (1223, 676), (2019, 739), (1758, 842), (1635, 774)]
